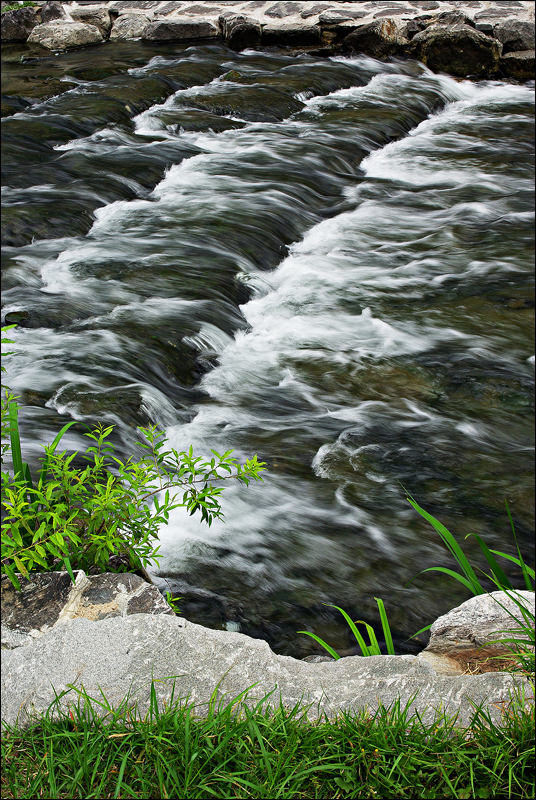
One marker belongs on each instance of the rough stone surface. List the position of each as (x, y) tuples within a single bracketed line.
[(291, 35), (99, 17), (378, 39), (518, 65), (64, 35), (175, 31), (457, 50), (124, 654), (240, 32), (467, 634), (50, 597), (280, 10), (18, 24), (52, 12), (515, 35), (129, 26)]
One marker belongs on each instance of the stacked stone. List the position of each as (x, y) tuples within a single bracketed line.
[(466, 39)]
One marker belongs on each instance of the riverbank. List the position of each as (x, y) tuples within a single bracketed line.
[(256, 755), (473, 39)]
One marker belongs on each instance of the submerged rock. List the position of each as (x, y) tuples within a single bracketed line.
[(64, 35)]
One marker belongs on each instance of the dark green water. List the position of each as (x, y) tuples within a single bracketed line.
[(325, 262)]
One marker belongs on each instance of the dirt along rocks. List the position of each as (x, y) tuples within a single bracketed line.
[(473, 39)]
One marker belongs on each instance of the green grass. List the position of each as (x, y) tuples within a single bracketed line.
[(15, 6), (269, 754)]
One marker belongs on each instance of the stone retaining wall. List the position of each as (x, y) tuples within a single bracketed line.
[(474, 39)]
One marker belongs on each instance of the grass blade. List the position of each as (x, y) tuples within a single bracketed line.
[(14, 435), (519, 563), (55, 443), (386, 629), (452, 575), (524, 567), (453, 547), (330, 650), (502, 581), (360, 640)]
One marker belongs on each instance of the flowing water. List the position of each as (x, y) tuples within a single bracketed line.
[(326, 262)]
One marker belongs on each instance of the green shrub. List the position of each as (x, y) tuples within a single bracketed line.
[(80, 517)]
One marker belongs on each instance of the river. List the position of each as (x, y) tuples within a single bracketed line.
[(327, 262)]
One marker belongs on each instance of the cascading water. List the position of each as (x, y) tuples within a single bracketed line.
[(323, 261)]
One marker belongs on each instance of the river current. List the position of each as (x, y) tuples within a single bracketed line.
[(327, 262)]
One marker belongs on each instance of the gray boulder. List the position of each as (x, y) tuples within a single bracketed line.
[(378, 39), (291, 35), (240, 32), (468, 633), (515, 35), (518, 65), (129, 26), (178, 31), (97, 16), (124, 655), (18, 24), (457, 50), (53, 11), (64, 35)]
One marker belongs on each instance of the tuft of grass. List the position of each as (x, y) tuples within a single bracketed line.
[(268, 752), (15, 6)]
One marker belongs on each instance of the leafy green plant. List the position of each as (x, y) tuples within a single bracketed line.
[(16, 6), (82, 516), (372, 649)]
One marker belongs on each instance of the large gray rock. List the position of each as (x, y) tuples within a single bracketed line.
[(96, 15), (129, 26), (64, 35), (53, 11), (18, 24), (178, 31), (467, 634), (124, 654), (240, 32), (457, 50), (518, 65), (378, 39), (49, 597), (515, 35)]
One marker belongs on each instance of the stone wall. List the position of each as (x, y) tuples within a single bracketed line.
[(474, 39)]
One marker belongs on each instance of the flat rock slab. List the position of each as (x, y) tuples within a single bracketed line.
[(122, 655)]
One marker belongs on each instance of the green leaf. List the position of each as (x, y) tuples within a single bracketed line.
[(386, 629), (330, 650), (12, 577), (502, 580), (353, 628), (453, 547)]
